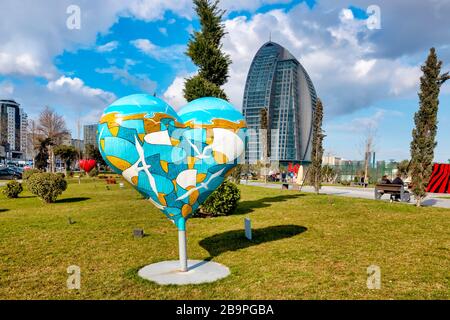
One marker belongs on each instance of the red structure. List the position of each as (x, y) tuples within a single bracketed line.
[(87, 164), (293, 168), (440, 179)]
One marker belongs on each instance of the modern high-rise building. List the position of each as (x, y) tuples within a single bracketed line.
[(90, 135), (278, 82), (13, 129)]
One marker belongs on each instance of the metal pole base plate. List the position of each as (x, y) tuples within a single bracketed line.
[(168, 272)]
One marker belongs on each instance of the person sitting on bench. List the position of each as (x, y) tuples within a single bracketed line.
[(385, 180), (397, 180)]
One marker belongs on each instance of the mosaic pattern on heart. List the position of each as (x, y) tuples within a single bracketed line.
[(174, 159)]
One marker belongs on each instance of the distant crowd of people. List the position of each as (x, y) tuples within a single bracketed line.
[(282, 176)]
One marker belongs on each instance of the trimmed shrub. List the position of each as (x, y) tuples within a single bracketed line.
[(12, 189), (47, 186), (27, 173), (93, 172), (345, 182), (61, 174), (222, 202)]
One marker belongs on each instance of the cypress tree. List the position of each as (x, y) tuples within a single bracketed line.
[(205, 50), (424, 133), (317, 148)]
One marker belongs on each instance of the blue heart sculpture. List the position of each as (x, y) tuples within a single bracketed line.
[(176, 160)]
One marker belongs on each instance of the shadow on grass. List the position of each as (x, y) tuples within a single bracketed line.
[(245, 207), (26, 197), (429, 202), (70, 200), (4, 210), (235, 240)]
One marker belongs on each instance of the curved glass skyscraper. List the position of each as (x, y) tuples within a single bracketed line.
[(278, 82)]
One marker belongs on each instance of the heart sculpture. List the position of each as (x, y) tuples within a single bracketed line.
[(87, 164), (176, 160)]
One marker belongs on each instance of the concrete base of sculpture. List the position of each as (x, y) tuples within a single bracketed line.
[(168, 272)]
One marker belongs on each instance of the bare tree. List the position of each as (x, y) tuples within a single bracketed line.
[(368, 148), (52, 126)]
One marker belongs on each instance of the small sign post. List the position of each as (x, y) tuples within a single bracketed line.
[(248, 228)]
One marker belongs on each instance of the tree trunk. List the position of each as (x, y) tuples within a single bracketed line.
[(418, 202), (52, 159)]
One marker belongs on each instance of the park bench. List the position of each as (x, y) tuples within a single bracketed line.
[(392, 189)]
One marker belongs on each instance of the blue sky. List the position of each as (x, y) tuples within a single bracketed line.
[(366, 78)]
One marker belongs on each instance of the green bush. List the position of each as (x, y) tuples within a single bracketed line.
[(222, 201), (61, 174), (12, 189), (93, 172), (47, 186), (27, 173)]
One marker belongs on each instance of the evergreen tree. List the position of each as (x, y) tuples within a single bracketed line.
[(67, 154), (317, 148), (424, 133), (92, 152), (41, 158), (205, 50)]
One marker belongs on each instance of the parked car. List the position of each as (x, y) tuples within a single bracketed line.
[(9, 174), (16, 169)]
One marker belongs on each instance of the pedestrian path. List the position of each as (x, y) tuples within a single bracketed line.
[(433, 199)]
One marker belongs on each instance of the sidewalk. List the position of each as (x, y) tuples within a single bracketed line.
[(432, 200)]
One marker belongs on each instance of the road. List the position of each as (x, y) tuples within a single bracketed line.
[(433, 199)]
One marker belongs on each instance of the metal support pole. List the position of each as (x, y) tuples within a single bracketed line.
[(182, 250)]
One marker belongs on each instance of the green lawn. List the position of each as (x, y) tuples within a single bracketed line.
[(305, 247)]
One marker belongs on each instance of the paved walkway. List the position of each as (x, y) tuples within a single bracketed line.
[(433, 199)]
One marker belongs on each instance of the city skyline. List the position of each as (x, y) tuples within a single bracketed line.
[(365, 77)]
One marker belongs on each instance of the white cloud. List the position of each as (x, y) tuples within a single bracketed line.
[(37, 33), (174, 93), (108, 47), (335, 51), (171, 53), (360, 124), (22, 64), (138, 80), (67, 85), (155, 9), (163, 31), (351, 66), (346, 14), (6, 89), (69, 96)]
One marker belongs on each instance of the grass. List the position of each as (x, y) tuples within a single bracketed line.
[(305, 247)]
